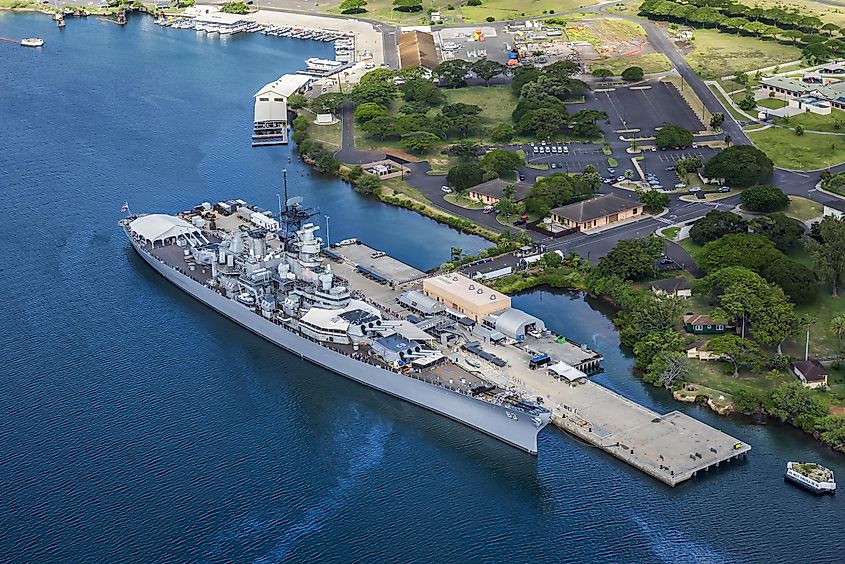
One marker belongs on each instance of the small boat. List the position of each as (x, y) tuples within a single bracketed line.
[(811, 476), (32, 42), (247, 299)]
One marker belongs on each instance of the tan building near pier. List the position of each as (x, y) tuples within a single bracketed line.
[(465, 296)]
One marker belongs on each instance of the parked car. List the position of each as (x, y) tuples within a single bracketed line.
[(565, 150), (446, 190), (620, 178), (695, 145), (521, 176), (553, 165), (724, 189), (680, 185), (670, 168), (611, 170), (695, 189)]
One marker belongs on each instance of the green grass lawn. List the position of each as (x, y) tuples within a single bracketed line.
[(772, 103), (670, 232), (496, 102), (799, 152), (816, 122), (719, 376), (836, 380), (459, 200), (803, 209), (822, 340), (649, 62), (329, 135), (725, 103), (382, 10), (690, 247), (718, 54)]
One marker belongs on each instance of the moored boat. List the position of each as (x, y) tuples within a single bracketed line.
[(32, 42), (811, 476)]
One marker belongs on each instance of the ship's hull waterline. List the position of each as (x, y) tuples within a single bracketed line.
[(516, 429)]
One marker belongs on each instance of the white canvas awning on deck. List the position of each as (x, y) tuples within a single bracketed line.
[(157, 227), (568, 373)]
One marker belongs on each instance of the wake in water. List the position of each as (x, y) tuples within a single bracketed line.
[(674, 547), (314, 518)]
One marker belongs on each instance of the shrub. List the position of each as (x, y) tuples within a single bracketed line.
[(764, 198)]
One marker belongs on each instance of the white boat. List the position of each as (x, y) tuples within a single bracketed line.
[(32, 42), (811, 476), (247, 299)]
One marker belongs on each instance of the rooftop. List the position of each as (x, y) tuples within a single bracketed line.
[(594, 208), (496, 189), (671, 285), (812, 370), (467, 289), (416, 49)]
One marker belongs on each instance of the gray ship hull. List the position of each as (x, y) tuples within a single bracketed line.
[(513, 427)]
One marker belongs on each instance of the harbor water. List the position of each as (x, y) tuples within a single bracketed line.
[(139, 426)]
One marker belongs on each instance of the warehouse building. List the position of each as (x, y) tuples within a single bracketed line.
[(465, 296)]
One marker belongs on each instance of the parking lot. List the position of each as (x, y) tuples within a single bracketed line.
[(574, 158), (462, 43), (643, 107)]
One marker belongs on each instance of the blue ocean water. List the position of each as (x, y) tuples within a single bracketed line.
[(138, 426)]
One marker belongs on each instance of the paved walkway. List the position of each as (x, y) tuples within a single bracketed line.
[(348, 153)]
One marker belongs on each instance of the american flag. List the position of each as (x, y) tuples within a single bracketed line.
[(125, 207)]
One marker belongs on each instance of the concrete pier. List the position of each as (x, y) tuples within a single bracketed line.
[(673, 447)]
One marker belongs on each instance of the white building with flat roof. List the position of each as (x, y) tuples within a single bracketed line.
[(271, 108)]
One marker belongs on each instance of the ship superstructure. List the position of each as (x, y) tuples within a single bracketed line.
[(277, 279)]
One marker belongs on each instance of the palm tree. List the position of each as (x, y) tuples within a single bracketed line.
[(806, 321), (837, 325)]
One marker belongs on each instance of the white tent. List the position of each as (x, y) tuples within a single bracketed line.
[(159, 227), (566, 372)]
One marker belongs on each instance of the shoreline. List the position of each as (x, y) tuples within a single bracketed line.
[(704, 399)]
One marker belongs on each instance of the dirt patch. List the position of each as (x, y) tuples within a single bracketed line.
[(837, 410)]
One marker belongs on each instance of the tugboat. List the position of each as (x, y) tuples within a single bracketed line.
[(32, 42), (811, 476)]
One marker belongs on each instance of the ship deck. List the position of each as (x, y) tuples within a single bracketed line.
[(174, 256)]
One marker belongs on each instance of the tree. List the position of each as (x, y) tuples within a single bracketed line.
[(742, 353), (452, 73), (368, 184), (791, 402), (816, 53), (739, 249), (837, 327), (369, 110), (423, 91), (653, 200), (632, 259), (407, 5), (828, 254), (523, 76), (328, 103), (554, 260), (715, 225), (748, 103), (556, 190), (786, 233), (487, 69), (797, 281), (419, 141), (671, 136), (463, 176), (716, 120), (297, 101), (764, 198), (740, 165), (601, 73), (831, 430), (234, 8), (655, 343), (380, 127), (501, 132), (353, 6), (543, 123), (667, 368), (633, 74), (503, 162)]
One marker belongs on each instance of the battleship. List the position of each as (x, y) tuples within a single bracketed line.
[(276, 278)]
